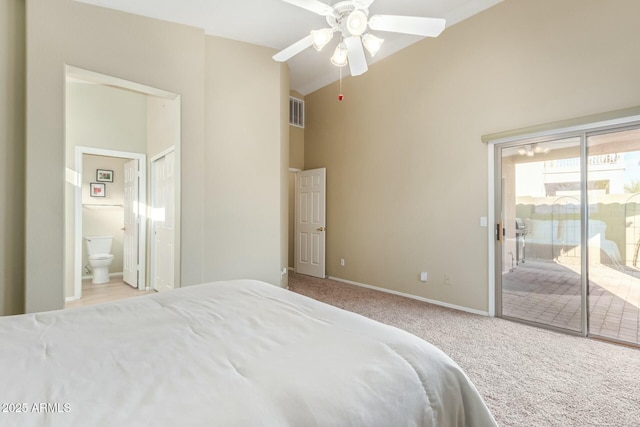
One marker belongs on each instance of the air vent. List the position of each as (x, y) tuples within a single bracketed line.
[(296, 112)]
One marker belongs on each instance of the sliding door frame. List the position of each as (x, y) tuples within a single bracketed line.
[(497, 225), (582, 128)]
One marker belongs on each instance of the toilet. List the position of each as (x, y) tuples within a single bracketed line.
[(100, 258)]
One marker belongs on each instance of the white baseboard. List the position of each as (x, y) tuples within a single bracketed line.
[(415, 297)]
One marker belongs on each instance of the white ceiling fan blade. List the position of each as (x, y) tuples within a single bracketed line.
[(419, 26), (293, 50), (357, 60), (314, 6)]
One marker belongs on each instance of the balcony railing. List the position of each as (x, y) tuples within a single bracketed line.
[(574, 163)]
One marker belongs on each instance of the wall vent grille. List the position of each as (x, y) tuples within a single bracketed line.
[(296, 112)]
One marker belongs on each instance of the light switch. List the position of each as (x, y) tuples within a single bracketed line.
[(483, 221)]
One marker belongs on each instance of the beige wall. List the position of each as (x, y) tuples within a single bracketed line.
[(406, 172), (162, 124), (296, 161), (12, 122), (104, 117), (285, 152), (174, 58), (291, 218), (245, 163)]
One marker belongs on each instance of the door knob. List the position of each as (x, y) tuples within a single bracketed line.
[(322, 229)]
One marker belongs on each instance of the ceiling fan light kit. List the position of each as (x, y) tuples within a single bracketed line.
[(351, 19), (320, 38), (531, 150), (339, 58), (372, 43)]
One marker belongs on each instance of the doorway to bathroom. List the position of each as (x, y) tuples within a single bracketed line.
[(117, 126), (110, 201)]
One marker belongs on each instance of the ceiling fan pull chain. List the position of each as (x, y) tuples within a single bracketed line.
[(340, 95)]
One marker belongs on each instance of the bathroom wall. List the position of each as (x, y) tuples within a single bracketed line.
[(104, 216)]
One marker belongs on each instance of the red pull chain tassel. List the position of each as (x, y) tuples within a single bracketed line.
[(340, 95)]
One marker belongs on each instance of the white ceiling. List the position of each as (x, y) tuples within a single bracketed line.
[(276, 24)]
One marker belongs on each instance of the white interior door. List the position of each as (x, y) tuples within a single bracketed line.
[(131, 224), (163, 225), (310, 222)]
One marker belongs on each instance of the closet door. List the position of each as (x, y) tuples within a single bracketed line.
[(163, 223)]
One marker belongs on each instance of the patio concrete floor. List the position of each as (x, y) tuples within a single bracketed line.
[(548, 292)]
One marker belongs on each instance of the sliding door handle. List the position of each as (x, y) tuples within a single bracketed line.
[(499, 231)]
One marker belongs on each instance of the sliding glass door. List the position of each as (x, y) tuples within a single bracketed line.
[(568, 232), (614, 234), (540, 233)]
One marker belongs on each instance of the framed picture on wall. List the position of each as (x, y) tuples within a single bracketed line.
[(97, 189), (104, 175)]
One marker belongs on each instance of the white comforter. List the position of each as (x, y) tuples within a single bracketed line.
[(239, 353)]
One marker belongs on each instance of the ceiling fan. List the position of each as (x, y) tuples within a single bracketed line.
[(351, 19)]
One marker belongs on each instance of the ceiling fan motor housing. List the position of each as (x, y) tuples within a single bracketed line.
[(348, 19)]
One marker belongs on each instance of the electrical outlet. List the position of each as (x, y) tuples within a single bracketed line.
[(423, 276), (447, 280), (341, 262)]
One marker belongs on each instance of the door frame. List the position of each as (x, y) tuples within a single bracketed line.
[(323, 255), (584, 212), (151, 204), (142, 206)]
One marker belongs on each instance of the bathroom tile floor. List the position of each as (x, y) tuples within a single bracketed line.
[(114, 290)]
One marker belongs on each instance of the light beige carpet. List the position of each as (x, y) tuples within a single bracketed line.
[(526, 375)]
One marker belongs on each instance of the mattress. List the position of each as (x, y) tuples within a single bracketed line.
[(234, 353)]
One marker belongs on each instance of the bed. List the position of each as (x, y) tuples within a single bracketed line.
[(234, 353)]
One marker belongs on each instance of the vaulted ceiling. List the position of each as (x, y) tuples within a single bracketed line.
[(277, 24)]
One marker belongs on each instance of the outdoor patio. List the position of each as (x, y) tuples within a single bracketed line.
[(549, 293)]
